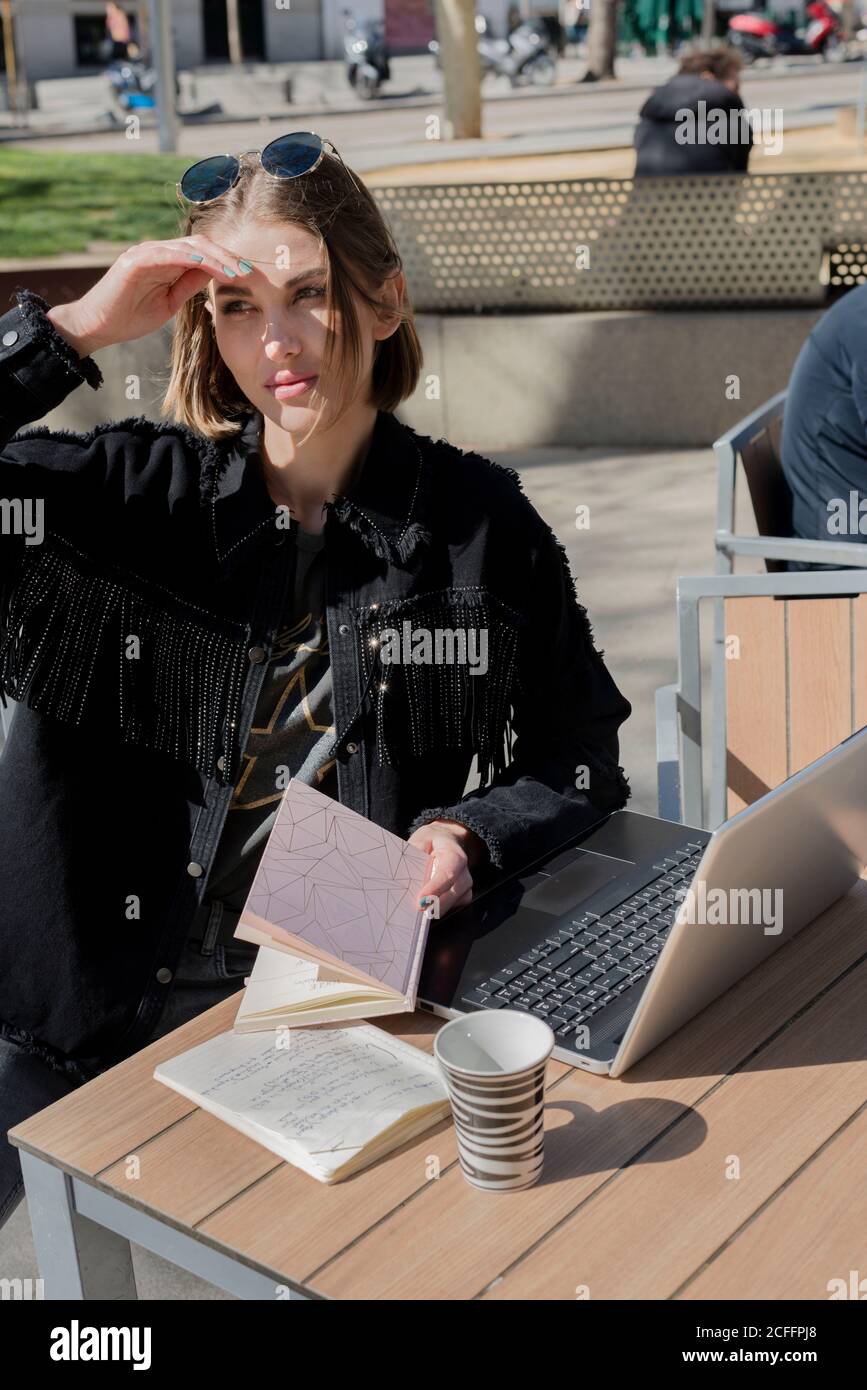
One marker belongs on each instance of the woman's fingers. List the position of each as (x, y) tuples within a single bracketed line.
[(152, 262), (445, 865), (451, 900), (452, 885), (156, 256), (144, 287), (205, 246), (216, 263), (448, 876)]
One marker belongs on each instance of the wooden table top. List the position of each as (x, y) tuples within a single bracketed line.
[(729, 1163)]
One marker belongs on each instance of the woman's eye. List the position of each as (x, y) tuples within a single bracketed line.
[(309, 291)]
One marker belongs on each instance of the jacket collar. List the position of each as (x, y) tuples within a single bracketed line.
[(386, 506)]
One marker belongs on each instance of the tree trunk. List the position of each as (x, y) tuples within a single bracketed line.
[(233, 24), (456, 33), (10, 55), (602, 38)]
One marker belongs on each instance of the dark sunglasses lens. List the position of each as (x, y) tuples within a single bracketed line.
[(292, 155), (209, 178)]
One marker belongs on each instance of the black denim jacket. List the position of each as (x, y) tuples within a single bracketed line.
[(135, 633)]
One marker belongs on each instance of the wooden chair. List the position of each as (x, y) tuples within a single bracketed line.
[(793, 672), (796, 683), (789, 661)]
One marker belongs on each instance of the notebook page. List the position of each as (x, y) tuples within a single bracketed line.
[(341, 885), (326, 1091), (272, 965)]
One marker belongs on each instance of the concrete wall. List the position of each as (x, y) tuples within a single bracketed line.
[(651, 380), (606, 379), (293, 34)]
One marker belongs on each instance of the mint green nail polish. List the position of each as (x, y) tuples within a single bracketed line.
[(195, 257), (228, 269), (245, 266)]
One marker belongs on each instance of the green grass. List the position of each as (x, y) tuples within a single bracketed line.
[(53, 202)]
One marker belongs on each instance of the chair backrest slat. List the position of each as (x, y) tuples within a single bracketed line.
[(796, 686), (755, 668), (859, 659), (820, 677)]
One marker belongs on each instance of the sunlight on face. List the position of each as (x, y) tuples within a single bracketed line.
[(275, 322)]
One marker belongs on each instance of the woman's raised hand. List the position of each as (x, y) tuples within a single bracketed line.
[(142, 290), (454, 851)]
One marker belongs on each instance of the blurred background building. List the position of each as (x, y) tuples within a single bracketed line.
[(62, 38)]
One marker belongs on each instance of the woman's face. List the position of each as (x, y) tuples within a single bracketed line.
[(274, 323)]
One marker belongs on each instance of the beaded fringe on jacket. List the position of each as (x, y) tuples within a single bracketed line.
[(425, 706), (178, 687)]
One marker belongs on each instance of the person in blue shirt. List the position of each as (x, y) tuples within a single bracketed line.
[(823, 450)]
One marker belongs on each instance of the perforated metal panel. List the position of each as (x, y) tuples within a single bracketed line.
[(692, 241), (845, 266)]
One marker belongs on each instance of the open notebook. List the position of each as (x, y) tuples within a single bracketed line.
[(328, 1100), (334, 907)]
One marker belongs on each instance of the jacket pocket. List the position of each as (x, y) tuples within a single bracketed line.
[(439, 670)]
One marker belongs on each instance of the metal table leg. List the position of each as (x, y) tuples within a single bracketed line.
[(78, 1259)]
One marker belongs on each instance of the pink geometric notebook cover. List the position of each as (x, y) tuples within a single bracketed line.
[(346, 886)]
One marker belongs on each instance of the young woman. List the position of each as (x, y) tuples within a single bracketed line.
[(191, 612)]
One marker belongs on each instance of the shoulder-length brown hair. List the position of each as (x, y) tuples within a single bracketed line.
[(360, 253)]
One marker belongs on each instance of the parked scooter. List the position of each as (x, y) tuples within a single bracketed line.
[(133, 82), (528, 55), (133, 85), (756, 36), (366, 54)]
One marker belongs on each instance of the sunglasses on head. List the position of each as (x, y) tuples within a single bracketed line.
[(287, 157)]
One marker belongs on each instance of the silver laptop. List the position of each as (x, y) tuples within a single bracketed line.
[(619, 937)]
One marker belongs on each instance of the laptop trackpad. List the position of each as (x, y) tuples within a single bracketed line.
[(571, 885)]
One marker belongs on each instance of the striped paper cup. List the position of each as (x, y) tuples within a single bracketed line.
[(493, 1065)]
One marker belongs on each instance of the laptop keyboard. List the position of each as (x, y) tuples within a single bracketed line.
[(586, 964)]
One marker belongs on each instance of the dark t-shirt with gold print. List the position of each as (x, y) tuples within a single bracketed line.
[(290, 736)]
